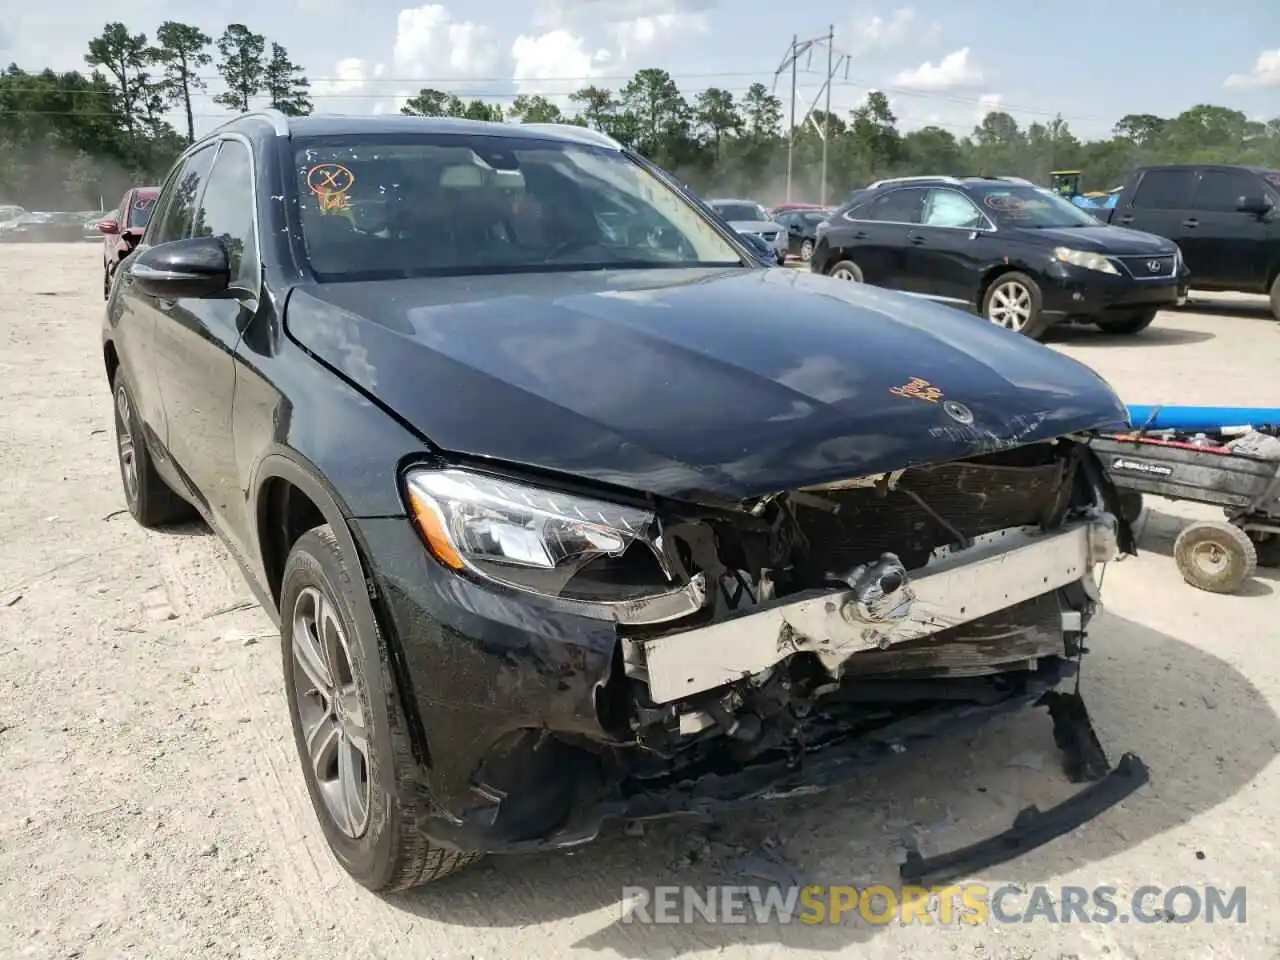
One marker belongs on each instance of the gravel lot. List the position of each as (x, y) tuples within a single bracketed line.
[(152, 806)]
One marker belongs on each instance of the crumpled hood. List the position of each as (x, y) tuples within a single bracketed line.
[(1118, 241), (724, 383)]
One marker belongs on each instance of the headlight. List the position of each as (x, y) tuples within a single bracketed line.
[(1085, 259), (1177, 258), (604, 558), (820, 230)]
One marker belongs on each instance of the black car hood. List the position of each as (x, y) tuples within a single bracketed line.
[(1119, 241), (695, 384)]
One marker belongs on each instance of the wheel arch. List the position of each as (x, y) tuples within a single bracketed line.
[(290, 498), (994, 273)]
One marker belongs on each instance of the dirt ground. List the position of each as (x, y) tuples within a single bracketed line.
[(152, 805)]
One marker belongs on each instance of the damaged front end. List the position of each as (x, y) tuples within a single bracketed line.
[(796, 636)]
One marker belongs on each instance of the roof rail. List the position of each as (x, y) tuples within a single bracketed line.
[(571, 131), (1022, 180), (278, 120), (935, 178)]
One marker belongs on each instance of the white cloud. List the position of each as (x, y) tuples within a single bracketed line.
[(1264, 73), (428, 36), (642, 32), (555, 64), (873, 32), (349, 76), (953, 70), (987, 103)]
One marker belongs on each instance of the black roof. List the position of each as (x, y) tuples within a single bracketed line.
[(333, 125)]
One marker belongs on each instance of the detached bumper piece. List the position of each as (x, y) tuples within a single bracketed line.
[(1083, 760)]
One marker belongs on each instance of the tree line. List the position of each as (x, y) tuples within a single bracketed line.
[(67, 138)]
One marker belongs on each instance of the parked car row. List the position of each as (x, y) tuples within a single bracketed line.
[(1026, 257)]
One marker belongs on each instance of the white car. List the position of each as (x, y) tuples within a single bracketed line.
[(747, 216)]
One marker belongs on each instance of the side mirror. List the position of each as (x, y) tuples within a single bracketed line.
[(195, 267), (1256, 204), (110, 227)]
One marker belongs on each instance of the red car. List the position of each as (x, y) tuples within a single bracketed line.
[(123, 229)]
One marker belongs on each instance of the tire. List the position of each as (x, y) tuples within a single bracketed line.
[(846, 270), (1013, 301), (106, 282), (806, 251), (1275, 297), (376, 838), (1134, 323), (151, 502), (1214, 556)]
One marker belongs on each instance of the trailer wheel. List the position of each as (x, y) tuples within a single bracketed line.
[(1213, 556)]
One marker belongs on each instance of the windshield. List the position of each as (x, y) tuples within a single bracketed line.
[(139, 213), (453, 204), (1035, 207), (741, 212)]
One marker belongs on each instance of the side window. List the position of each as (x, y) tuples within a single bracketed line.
[(177, 206), (226, 211), (788, 220), (947, 208), (900, 206), (1221, 190), (1165, 190)]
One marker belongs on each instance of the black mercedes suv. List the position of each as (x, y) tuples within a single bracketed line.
[(1014, 252), (567, 508)]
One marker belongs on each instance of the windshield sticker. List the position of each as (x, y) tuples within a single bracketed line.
[(143, 204), (1272, 178), (918, 388), (1004, 202), (331, 182)]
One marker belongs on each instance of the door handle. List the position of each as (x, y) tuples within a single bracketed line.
[(1126, 219), (1191, 222), (860, 235), (915, 238)]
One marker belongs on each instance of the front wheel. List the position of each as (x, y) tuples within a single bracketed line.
[(806, 251), (365, 785), (1126, 326), (1275, 297), (846, 270), (1013, 301)]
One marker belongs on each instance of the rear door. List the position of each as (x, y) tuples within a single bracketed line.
[(945, 263), (879, 241), (1161, 204), (1230, 247)]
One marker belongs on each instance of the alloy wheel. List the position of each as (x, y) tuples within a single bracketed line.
[(844, 273), (332, 718), (125, 448), (806, 251), (1010, 306)]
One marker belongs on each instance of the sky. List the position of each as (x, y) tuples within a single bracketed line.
[(943, 63)]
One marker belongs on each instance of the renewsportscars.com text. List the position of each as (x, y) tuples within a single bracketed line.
[(969, 904)]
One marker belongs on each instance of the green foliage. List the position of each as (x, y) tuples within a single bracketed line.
[(285, 85), (67, 139), (242, 66)]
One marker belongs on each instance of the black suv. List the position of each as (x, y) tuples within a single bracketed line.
[(1016, 253), (568, 509)]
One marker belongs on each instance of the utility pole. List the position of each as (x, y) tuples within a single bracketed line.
[(791, 128), (795, 51), (826, 112)]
